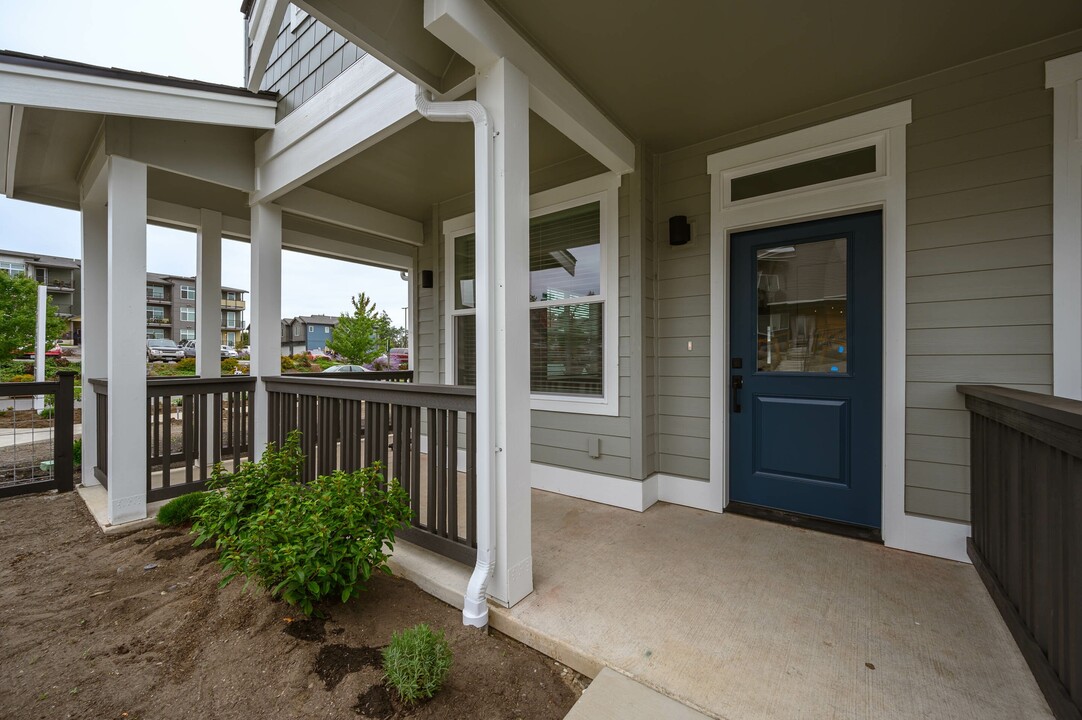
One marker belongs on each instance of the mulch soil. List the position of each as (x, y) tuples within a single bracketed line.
[(135, 627), (30, 419)]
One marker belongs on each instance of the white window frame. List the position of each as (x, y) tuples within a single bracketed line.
[(14, 269), (603, 189), (185, 312), (187, 292), (187, 334)]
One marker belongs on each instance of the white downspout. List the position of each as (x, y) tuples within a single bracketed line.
[(475, 608)]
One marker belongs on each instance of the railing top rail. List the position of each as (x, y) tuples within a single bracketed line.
[(450, 397), (1064, 411), (186, 385), (10, 389)]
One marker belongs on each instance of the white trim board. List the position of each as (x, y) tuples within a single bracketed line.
[(606, 489), (60, 90), (1064, 76), (884, 190)]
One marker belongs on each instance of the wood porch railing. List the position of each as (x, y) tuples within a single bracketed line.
[(413, 430), (183, 416), (1026, 495), (22, 473)]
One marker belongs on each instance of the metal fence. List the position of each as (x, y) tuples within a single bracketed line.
[(37, 439)]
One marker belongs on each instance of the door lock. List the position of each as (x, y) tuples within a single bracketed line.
[(738, 383)]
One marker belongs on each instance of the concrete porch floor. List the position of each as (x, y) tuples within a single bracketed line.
[(748, 620)]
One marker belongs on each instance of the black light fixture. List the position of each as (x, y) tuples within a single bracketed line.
[(426, 279), (679, 230)]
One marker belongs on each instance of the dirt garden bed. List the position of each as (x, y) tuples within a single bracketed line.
[(22, 419), (135, 627)]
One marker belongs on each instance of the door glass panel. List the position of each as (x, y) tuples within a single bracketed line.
[(802, 307)]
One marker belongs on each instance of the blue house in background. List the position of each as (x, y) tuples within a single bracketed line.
[(307, 333)]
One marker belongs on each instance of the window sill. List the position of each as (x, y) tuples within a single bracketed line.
[(575, 405)]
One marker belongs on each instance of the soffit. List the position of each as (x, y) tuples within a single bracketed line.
[(672, 74), (427, 163), (52, 148)]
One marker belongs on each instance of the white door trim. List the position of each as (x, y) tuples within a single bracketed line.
[(1064, 76), (883, 190)]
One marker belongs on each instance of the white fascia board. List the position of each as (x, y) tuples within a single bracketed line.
[(15, 128), (378, 114), (306, 202), (60, 90), (263, 30), (474, 30), (5, 136), (1063, 70)]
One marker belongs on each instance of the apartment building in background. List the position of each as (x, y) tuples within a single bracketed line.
[(170, 310)]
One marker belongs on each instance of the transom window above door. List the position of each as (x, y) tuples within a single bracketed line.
[(572, 298)]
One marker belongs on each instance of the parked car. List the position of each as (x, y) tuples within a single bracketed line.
[(188, 346), (345, 369), (228, 352), (163, 349)]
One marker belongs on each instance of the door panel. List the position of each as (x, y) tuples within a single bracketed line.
[(806, 368)]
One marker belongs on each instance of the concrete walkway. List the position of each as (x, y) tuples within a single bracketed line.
[(22, 436), (747, 620)]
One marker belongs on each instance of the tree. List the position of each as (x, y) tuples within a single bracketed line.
[(361, 336), (19, 310)]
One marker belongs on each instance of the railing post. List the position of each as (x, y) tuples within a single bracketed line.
[(64, 431)]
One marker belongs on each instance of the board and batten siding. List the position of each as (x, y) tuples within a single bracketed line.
[(978, 266), (307, 55)]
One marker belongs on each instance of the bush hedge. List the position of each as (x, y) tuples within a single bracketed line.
[(181, 510), (303, 542)]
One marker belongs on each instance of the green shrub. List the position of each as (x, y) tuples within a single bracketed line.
[(287, 363), (181, 510), (23, 377), (187, 364), (416, 662), (47, 413), (77, 452), (228, 366), (302, 542)]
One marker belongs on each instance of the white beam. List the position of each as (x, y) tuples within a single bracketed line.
[(266, 312), (476, 32), (65, 90), (92, 177), (265, 23), (15, 128), (503, 338), (94, 286), (126, 335), (219, 154), (208, 294), (282, 166), (326, 247), (306, 202)]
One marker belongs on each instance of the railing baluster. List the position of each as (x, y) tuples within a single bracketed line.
[(433, 454), (452, 474)]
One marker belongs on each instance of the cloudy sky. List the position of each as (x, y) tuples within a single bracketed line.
[(200, 39)]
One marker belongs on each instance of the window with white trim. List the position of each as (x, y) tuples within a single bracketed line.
[(14, 269), (187, 292), (573, 315), (187, 334), (187, 314)]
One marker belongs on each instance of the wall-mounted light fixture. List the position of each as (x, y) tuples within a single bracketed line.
[(679, 230), (426, 279)]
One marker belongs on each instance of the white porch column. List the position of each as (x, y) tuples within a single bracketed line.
[(504, 91), (266, 307), (126, 333), (93, 309), (208, 294)]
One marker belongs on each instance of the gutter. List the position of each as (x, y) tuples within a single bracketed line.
[(475, 607)]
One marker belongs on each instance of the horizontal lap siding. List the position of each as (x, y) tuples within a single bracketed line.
[(304, 60), (978, 279), (683, 309), (561, 438), (978, 265)]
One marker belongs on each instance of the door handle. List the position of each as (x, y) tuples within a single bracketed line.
[(738, 383)]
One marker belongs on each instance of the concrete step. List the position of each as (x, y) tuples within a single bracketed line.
[(612, 696)]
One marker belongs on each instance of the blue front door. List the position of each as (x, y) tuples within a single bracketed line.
[(805, 368)]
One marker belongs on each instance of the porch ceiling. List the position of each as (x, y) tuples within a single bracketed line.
[(676, 74), (427, 163), (52, 148)]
